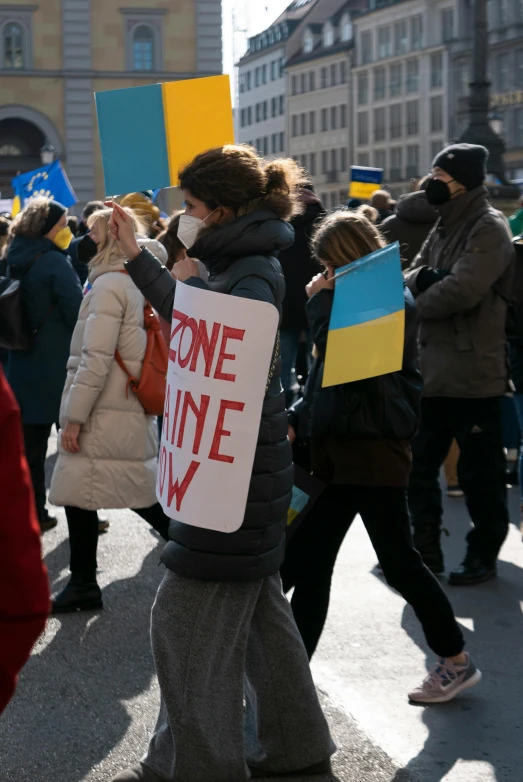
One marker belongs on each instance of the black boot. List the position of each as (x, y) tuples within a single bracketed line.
[(47, 521), (81, 594), (471, 572), (427, 540), (319, 768)]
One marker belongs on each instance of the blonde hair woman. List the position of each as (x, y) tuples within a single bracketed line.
[(360, 436), (108, 445)]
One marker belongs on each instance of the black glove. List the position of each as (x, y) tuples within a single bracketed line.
[(427, 277)]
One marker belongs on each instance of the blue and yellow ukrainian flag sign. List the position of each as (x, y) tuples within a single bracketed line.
[(364, 181), (367, 326)]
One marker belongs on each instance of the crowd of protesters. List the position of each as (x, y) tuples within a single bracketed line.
[(255, 229)]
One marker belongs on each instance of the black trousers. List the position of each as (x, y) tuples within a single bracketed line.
[(313, 550), (83, 535), (36, 437), (476, 425)]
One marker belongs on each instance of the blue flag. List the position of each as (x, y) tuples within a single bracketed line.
[(49, 181)]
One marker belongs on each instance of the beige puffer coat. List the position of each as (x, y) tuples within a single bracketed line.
[(116, 466)]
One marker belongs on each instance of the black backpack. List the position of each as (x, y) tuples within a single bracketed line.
[(15, 332), (514, 328)]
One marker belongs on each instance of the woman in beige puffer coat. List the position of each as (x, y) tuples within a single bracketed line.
[(108, 445)]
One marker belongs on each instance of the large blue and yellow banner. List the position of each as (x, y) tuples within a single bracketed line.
[(50, 181), (148, 133), (367, 326), (364, 181)]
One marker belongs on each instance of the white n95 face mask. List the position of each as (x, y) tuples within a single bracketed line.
[(188, 229)]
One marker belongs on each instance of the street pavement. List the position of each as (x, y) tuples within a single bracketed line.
[(88, 698)]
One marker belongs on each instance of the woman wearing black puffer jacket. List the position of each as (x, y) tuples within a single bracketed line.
[(360, 437), (222, 631)]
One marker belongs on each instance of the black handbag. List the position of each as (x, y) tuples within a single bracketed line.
[(15, 333)]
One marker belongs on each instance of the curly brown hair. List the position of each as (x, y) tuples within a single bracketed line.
[(31, 221), (236, 177), (344, 237)]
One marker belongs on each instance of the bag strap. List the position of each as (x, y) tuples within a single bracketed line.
[(274, 361)]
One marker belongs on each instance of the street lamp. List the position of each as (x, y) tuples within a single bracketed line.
[(495, 120), (47, 153)]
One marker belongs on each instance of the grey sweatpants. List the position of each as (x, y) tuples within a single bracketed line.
[(216, 644)]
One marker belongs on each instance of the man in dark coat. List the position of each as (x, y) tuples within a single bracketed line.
[(298, 268), (410, 226)]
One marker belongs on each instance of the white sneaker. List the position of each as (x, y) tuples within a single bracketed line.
[(445, 681)]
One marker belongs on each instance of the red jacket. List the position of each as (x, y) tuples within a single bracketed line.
[(24, 587)]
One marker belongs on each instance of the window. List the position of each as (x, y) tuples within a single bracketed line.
[(334, 117), (258, 112), (308, 42), (334, 75), (416, 32), (447, 25), (274, 107), (363, 159), (346, 28), (324, 120), (242, 83), (436, 70), (324, 161), (294, 83), (413, 161), (324, 78), (519, 68), (363, 127), (436, 114), (366, 47), (518, 117), (282, 104), (502, 72), (303, 161), (274, 70), (312, 122), (334, 200), (412, 75), (380, 75), (295, 125), (401, 37), (395, 83), (412, 118), (503, 12), (249, 80), (435, 148), (343, 115), (328, 35), (343, 159), (274, 143), (242, 118), (380, 159), (303, 124), (396, 163), (384, 43), (396, 120), (312, 164), (249, 115), (264, 74), (265, 109), (143, 48), (312, 81), (519, 10), (303, 82), (265, 145), (334, 160), (343, 72), (257, 77), (379, 125), (363, 88), (463, 79), (281, 67), (282, 141)]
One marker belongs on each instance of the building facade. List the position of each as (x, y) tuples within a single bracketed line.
[(55, 54), (400, 112), (505, 66), (261, 111), (318, 71)]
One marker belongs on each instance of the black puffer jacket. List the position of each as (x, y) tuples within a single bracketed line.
[(387, 406), (240, 259), (410, 226)]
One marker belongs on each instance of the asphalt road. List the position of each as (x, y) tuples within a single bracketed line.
[(88, 698)]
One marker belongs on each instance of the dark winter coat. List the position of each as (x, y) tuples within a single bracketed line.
[(79, 266), (387, 406), (299, 268), (410, 226), (462, 319), (52, 295), (240, 259)]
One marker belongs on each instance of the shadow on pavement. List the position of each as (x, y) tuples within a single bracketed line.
[(72, 709)]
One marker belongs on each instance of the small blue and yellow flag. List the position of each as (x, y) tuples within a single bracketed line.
[(367, 325), (364, 181)]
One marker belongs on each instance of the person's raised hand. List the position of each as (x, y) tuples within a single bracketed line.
[(121, 228), (187, 267), (317, 284)]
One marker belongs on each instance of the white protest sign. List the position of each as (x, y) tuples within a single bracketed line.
[(219, 361)]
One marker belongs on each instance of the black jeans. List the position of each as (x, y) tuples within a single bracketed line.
[(312, 554), (476, 425), (83, 535), (36, 437)]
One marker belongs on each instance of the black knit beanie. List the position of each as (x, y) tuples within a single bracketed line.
[(466, 163), (56, 212)]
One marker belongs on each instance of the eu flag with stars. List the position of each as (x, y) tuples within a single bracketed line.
[(49, 181)]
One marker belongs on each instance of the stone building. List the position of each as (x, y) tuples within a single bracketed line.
[(54, 54)]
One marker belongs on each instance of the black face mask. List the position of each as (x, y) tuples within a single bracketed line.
[(438, 192)]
